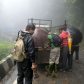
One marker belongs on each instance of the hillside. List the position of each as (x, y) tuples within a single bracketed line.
[(8, 35)]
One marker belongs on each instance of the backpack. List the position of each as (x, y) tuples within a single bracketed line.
[(18, 53), (56, 40), (50, 40)]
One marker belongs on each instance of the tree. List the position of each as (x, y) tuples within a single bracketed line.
[(75, 13)]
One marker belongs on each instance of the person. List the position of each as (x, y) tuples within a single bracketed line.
[(26, 67), (54, 56), (65, 56), (75, 49)]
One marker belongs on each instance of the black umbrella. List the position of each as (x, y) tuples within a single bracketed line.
[(76, 35)]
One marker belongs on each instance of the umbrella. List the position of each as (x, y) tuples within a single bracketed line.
[(76, 35), (40, 37)]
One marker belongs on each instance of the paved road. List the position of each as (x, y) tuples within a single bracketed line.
[(74, 77)]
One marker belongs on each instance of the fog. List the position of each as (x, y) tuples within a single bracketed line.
[(15, 13)]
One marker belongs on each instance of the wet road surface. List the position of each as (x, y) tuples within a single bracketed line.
[(74, 77)]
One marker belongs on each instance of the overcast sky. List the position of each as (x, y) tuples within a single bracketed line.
[(14, 13)]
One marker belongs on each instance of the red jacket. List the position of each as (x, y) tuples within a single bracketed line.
[(64, 36)]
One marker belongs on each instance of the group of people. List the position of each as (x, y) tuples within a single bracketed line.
[(63, 56), (26, 67)]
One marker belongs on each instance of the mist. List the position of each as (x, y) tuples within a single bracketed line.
[(15, 13)]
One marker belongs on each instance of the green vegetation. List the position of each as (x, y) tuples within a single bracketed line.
[(75, 13), (5, 48)]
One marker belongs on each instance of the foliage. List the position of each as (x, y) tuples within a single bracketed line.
[(75, 13), (5, 48)]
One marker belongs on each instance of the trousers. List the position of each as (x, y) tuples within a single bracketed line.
[(25, 73), (65, 60), (75, 49)]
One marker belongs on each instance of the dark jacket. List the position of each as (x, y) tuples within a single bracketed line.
[(29, 46)]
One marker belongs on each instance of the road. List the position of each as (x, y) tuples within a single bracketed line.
[(74, 77)]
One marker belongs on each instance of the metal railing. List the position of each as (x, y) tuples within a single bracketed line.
[(41, 23)]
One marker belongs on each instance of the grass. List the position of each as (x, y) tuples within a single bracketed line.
[(5, 48)]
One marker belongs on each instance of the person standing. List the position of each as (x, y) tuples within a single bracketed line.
[(25, 68), (54, 55), (65, 56)]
